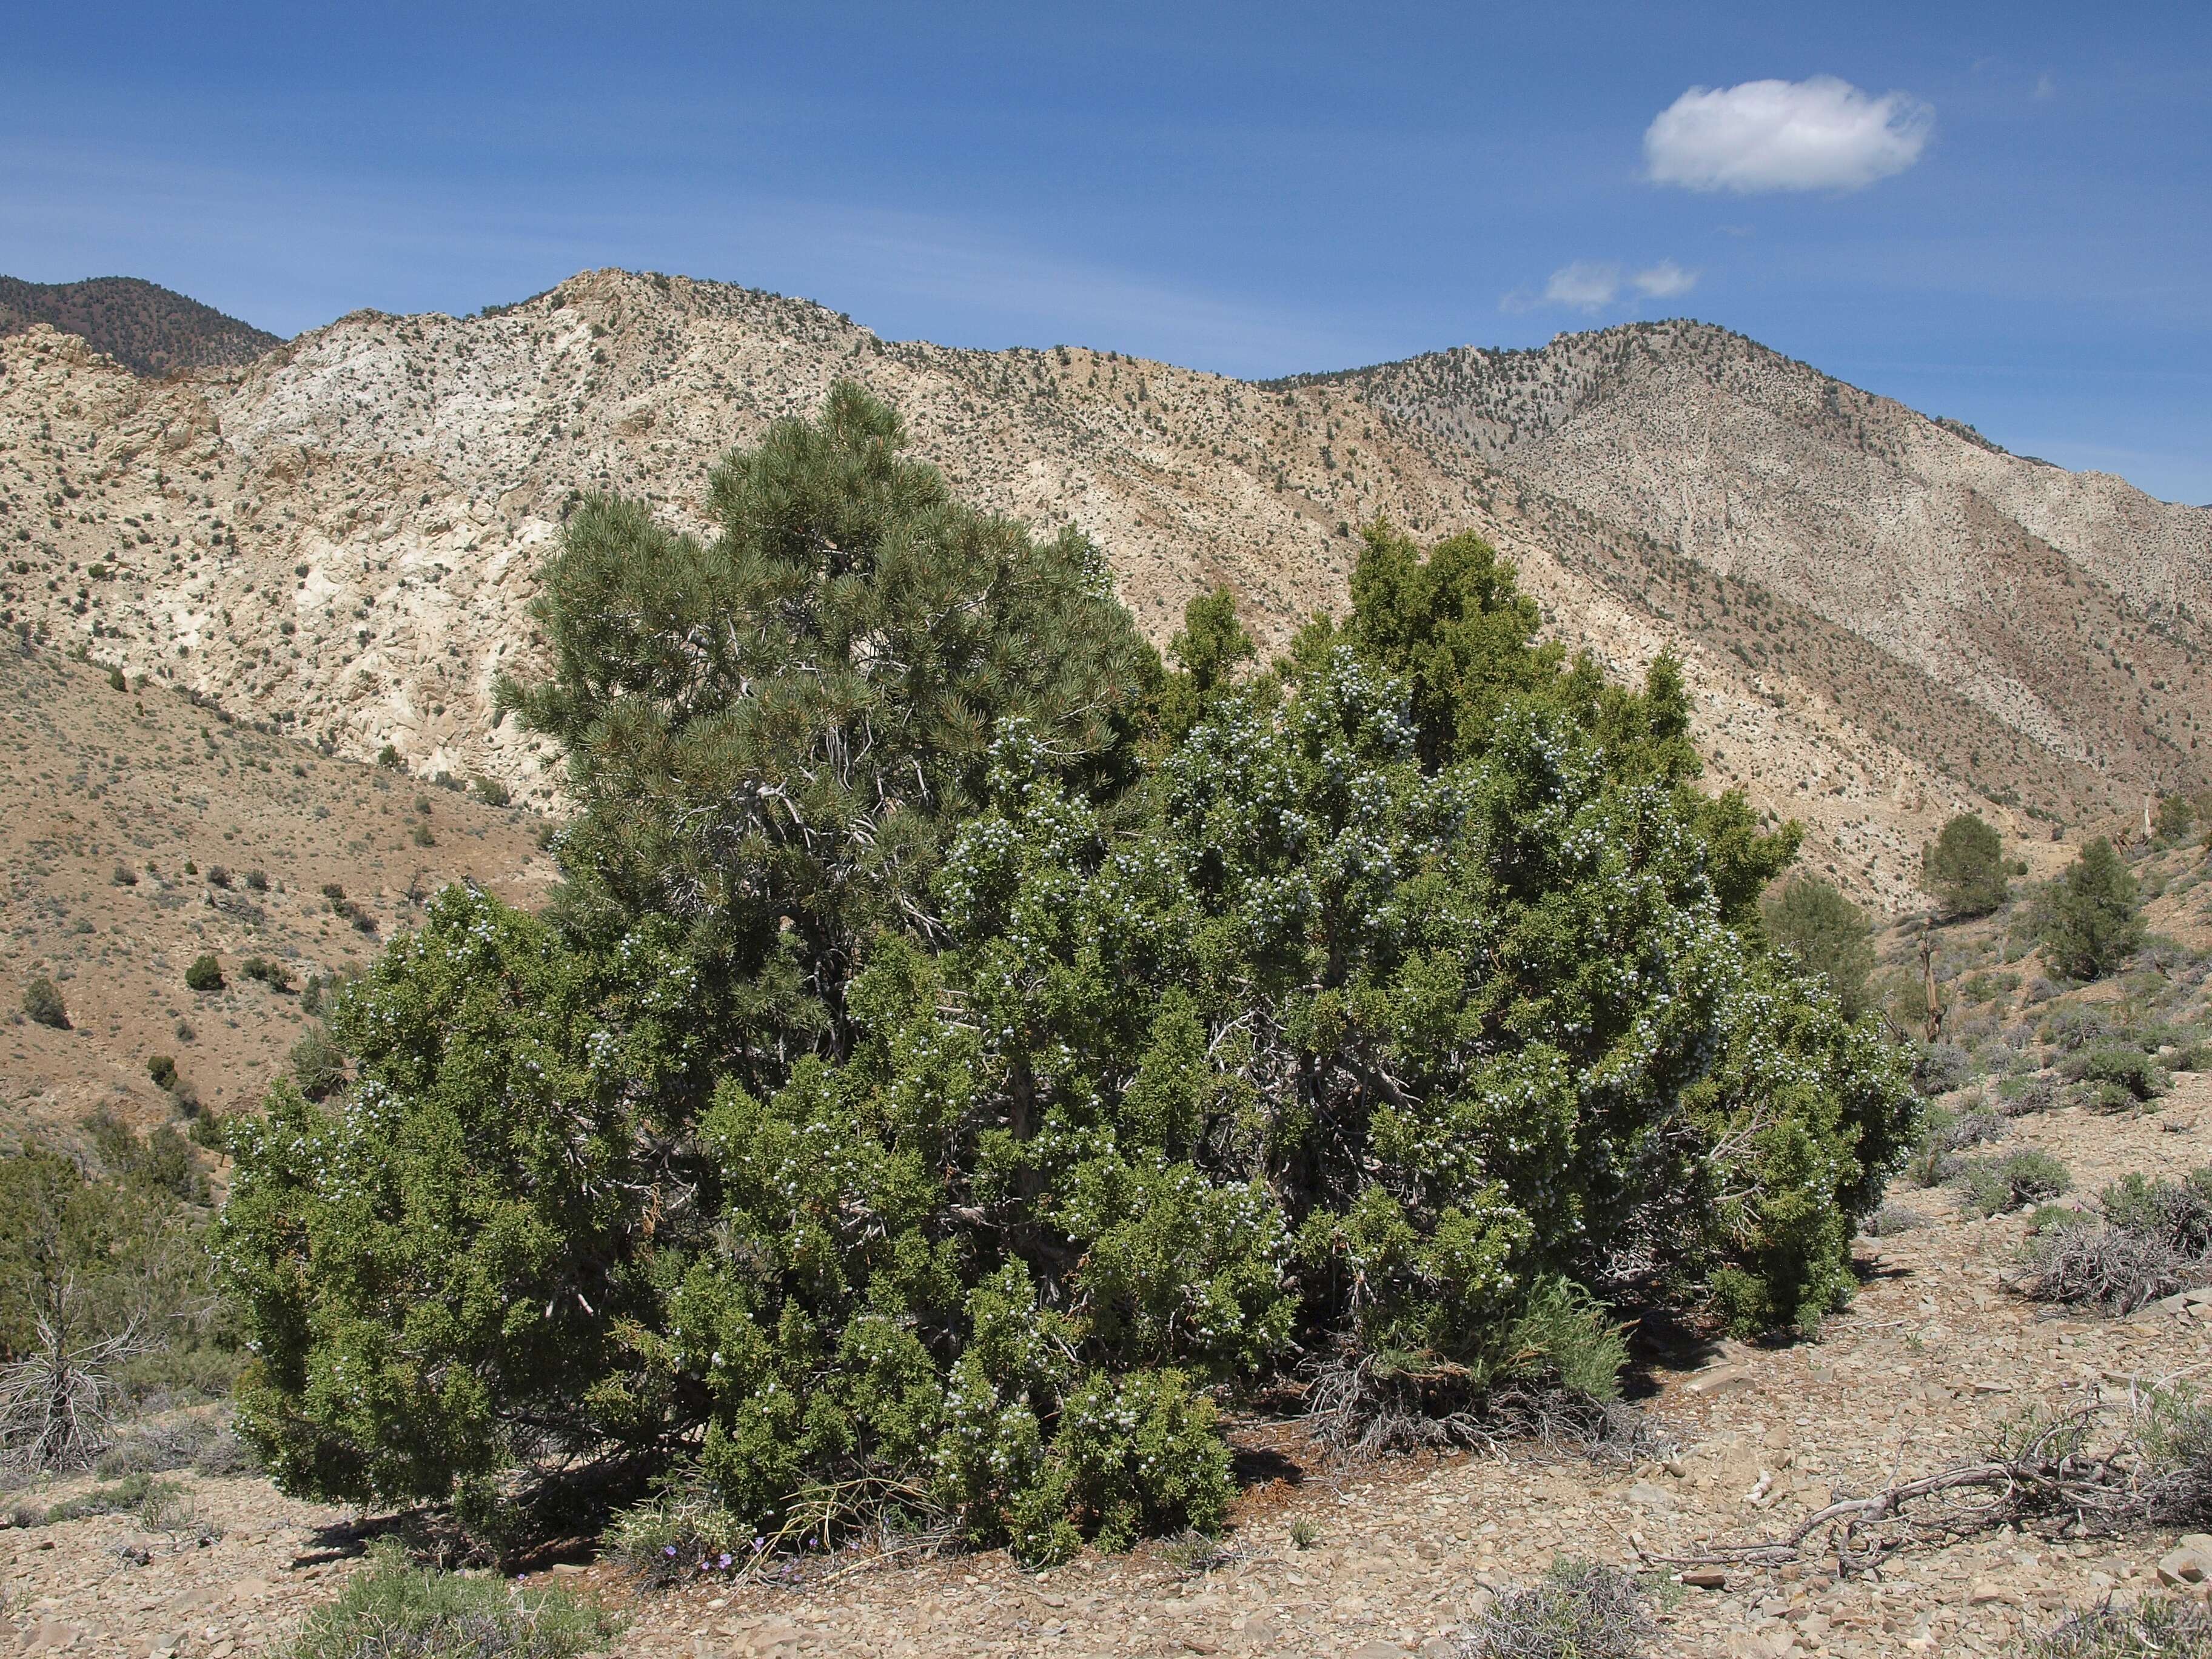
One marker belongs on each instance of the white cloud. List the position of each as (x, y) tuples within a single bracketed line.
[(1586, 284), (1821, 134), (1664, 280), (1594, 284)]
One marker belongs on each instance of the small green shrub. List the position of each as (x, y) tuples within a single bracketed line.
[(391, 1609), (1578, 1610), (42, 1002), (681, 1534), (218, 876), (2088, 917), (2105, 1098), (2179, 1212), (271, 973), (162, 1068), (388, 757), (1994, 1185), (1941, 1067), (491, 791), (205, 973), (1810, 918), (2120, 1063), (421, 836), (257, 881)]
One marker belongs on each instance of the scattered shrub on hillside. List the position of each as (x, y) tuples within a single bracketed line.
[(162, 1068), (2147, 1630), (491, 791), (162, 1161), (1893, 1218), (2177, 817), (2179, 1212), (217, 876), (1994, 1185), (2123, 1063), (1578, 1610), (205, 973), (122, 876), (421, 836), (388, 757), (1964, 867), (1810, 917), (2088, 916), (929, 1075), (2022, 1096), (95, 1275), (2089, 1264), (391, 1608), (1940, 1068), (43, 1003), (257, 881), (273, 974)]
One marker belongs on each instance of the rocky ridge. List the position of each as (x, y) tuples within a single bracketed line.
[(148, 329), (342, 536)]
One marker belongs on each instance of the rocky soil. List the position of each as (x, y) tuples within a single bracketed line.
[(343, 535), (1933, 1355)]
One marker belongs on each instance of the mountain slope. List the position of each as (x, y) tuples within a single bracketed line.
[(2070, 607), (145, 327), (342, 536)]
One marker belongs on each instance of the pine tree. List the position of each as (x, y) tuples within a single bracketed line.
[(2090, 924), (1826, 932), (768, 734), (1964, 867)]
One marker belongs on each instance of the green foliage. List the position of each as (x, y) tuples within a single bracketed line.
[(1964, 867), (1207, 655), (1831, 936), (267, 972), (42, 1002), (319, 1065), (2178, 1213), (205, 973), (491, 791), (931, 1099), (388, 757), (162, 1068), (2088, 916), (2118, 1063), (770, 736), (391, 1609), (1993, 1185), (2177, 817)]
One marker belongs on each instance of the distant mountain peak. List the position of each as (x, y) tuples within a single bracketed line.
[(148, 329)]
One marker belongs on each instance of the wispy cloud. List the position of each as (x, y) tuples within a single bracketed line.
[(1819, 134), (1664, 281), (1592, 285)]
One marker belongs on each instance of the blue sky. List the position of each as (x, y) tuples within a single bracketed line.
[(2023, 241)]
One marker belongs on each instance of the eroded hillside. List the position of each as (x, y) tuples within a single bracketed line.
[(343, 537)]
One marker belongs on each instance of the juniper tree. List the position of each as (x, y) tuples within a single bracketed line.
[(915, 1094)]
